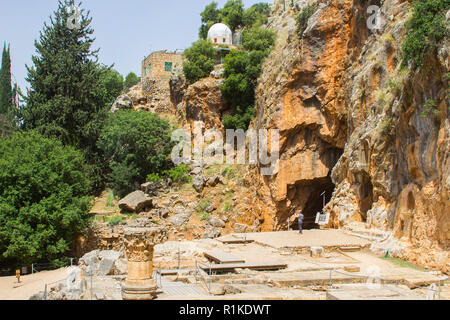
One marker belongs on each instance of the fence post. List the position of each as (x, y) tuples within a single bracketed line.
[(331, 283), (71, 262), (439, 292), (45, 292), (32, 268), (91, 284)]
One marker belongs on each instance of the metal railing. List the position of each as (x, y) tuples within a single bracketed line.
[(200, 274)]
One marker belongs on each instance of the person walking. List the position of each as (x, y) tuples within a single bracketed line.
[(300, 218)]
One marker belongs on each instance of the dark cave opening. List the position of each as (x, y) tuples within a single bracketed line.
[(315, 203), (365, 195)]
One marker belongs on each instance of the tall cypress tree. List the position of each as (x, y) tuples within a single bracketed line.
[(65, 98), (5, 82)]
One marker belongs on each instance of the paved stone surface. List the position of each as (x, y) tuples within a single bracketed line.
[(363, 292), (309, 238)]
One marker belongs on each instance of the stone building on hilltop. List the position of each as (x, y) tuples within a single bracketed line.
[(161, 64)]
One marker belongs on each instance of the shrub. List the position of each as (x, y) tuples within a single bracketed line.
[(229, 172), (154, 177), (115, 220), (430, 108), (44, 202), (179, 174), (131, 80), (135, 145), (204, 216), (424, 30), (227, 207), (199, 60), (303, 17)]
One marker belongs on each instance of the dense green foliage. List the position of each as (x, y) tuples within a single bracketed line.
[(256, 15), (179, 175), (135, 145), (303, 17), (112, 85), (43, 198), (241, 71), (131, 80), (234, 15), (199, 60), (6, 90), (425, 29), (70, 92)]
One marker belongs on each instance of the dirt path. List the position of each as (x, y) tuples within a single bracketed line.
[(30, 284)]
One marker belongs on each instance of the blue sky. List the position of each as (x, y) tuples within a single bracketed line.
[(125, 31)]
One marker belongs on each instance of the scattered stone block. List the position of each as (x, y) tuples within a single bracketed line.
[(316, 252), (135, 202)]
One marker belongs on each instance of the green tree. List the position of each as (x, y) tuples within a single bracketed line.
[(131, 80), (256, 15), (199, 60), (135, 145), (66, 98), (210, 16), (426, 28), (43, 198), (112, 84), (241, 71), (233, 14), (6, 91)]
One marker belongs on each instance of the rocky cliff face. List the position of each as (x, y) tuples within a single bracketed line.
[(351, 124), (200, 101)]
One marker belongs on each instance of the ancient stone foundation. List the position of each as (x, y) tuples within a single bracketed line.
[(139, 243)]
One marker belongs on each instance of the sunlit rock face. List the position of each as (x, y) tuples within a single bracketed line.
[(352, 126)]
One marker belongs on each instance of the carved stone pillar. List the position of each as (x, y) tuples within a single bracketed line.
[(139, 243)]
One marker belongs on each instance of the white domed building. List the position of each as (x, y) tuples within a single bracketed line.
[(220, 33)]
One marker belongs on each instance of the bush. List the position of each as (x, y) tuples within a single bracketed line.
[(204, 216), (303, 17), (256, 15), (199, 60), (154, 177), (116, 220), (430, 108), (44, 203), (131, 80), (240, 120), (227, 207), (135, 145), (179, 174), (112, 84), (424, 30)]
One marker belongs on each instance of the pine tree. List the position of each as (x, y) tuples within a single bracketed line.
[(66, 98), (5, 82)]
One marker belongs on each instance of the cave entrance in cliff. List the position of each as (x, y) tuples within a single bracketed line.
[(365, 196), (315, 203)]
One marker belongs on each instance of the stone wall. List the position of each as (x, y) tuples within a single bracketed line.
[(157, 61)]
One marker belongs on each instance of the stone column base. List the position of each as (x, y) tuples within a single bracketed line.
[(139, 289)]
